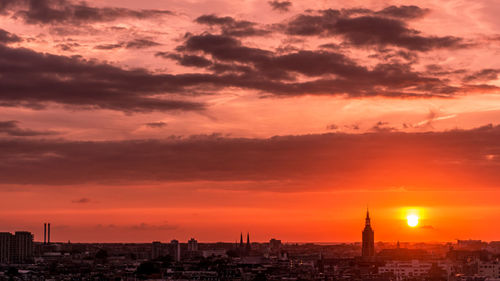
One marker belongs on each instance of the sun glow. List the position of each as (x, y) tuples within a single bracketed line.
[(412, 220)]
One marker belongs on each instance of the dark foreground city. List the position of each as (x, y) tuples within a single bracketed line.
[(23, 259)]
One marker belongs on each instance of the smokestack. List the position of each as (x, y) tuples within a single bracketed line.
[(48, 234), (45, 233)]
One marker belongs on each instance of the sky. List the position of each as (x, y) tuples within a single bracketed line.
[(135, 121)]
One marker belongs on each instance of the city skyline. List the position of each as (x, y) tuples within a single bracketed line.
[(140, 121), (366, 241)]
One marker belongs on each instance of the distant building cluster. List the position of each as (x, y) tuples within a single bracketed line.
[(466, 260)]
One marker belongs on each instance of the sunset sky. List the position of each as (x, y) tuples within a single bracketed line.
[(134, 121)]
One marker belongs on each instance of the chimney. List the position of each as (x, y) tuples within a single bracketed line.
[(45, 233), (48, 234)]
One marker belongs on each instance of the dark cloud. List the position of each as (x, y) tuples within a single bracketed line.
[(231, 27), (352, 127), (11, 128), (382, 127), (7, 37), (109, 46), (72, 81), (483, 75), (215, 20), (365, 31), (310, 63), (81, 201), (330, 46), (133, 44), (68, 47), (332, 127), (75, 82), (282, 6), (431, 159), (383, 28), (156, 124), (141, 44), (224, 47), (65, 11), (268, 71), (404, 12), (312, 24), (186, 60)]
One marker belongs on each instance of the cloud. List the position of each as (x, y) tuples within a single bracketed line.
[(352, 127), (11, 128), (65, 11), (312, 24), (140, 44), (186, 60), (7, 37), (488, 74), (383, 28), (156, 124), (404, 12), (133, 44), (231, 27), (282, 6), (81, 201), (367, 30), (332, 127), (382, 127), (68, 47), (434, 115), (79, 83), (380, 159), (109, 46), (148, 227), (337, 74)]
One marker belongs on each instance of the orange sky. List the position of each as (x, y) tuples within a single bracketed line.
[(153, 120)]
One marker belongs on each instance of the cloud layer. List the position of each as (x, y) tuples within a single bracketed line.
[(380, 159)]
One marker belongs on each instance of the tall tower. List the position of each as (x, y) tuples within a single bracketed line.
[(249, 247), (45, 233), (241, 240), (368, 245), (175, 247)]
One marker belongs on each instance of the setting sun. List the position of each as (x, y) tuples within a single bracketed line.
[(412, 220)]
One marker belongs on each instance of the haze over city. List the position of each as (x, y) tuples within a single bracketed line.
[(138, 121)]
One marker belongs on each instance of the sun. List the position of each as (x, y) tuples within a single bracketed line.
[(412, 220)]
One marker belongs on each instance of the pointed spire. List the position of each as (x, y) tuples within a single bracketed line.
[(367, 220), (241, 239), (248, 247)]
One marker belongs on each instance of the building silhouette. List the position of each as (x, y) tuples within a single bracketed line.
[(17, 248), (274, 245), (175, 247), (368, 244), (5, 246), (157, 250), (192, 245)]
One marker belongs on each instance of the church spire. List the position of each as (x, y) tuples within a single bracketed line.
[(367, 220), (248, 247), (368, 244)]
